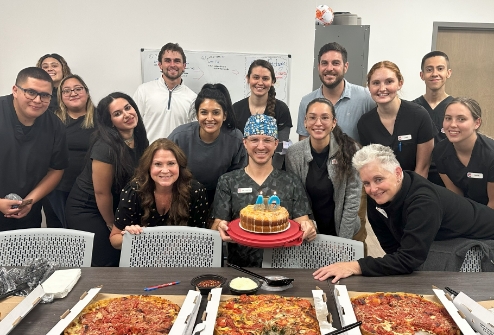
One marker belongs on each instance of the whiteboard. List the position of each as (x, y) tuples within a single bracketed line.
[(226, 68)]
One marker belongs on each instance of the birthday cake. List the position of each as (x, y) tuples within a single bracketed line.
[(264, 220)]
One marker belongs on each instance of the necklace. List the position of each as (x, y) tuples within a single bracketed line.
[(255, 109), (259, 110), (129, 140)]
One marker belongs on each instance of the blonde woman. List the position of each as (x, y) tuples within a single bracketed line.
[(76, 110)]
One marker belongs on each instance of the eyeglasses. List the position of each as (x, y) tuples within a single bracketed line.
[(32, 94), (267, 141), (76, 90), (325, 119)]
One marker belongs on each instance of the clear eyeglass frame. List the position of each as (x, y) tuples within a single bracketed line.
[(324, 119), (77, 90)]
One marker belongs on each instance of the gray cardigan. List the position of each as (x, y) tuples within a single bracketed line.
[(346, 194)]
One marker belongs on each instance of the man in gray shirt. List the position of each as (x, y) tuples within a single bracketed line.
[(350, 102)]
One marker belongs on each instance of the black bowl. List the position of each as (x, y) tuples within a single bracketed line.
[(205, 290), (254, 290)]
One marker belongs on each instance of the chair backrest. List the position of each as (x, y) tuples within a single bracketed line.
[(460, 254), (323, 251), (172, 246), (67, 247), (472, 261)]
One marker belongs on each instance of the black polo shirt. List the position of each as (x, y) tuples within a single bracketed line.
[(473, 178), (26, 154), (413, 126)]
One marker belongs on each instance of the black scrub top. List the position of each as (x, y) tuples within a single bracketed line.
[(436, 114), (473, 178), (320, 191), (413, 126)]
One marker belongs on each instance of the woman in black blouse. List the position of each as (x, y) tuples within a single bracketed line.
[(161, 193), (119, 141)]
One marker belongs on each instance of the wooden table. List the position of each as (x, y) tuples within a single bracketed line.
[(133, 280)]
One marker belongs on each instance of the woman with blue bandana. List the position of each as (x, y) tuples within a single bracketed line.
[(212, 144), (240, 188)]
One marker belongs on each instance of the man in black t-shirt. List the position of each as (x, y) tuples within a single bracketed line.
[(33, 151), (435, 71)]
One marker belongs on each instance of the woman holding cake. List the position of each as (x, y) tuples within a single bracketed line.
[(323, 162), (408, 213), (162, 193), (213, 140)]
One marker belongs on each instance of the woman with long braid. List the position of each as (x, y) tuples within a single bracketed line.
[(262, 100)]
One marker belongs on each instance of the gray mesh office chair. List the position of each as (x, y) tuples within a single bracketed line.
[(323, 251), (67, 247), (460, 254), (172, 246)]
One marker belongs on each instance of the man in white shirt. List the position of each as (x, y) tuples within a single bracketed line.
[(165, 103)]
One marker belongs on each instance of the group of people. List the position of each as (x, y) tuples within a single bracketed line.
[(169, 156)]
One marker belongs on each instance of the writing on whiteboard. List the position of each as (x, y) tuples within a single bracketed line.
[(230, 69)]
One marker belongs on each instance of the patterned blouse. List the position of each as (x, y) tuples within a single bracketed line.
[(129, 211)]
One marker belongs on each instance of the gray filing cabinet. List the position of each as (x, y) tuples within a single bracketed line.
[(355, 39)]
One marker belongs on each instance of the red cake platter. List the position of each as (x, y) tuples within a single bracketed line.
[(288, 238)]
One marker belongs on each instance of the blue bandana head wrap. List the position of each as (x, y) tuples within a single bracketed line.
[(261, 124)]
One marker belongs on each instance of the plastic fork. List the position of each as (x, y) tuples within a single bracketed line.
[(269, 282)]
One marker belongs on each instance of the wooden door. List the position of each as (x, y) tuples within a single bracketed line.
[(471, 55)]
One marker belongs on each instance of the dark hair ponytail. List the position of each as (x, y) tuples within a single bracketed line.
[(271, 102), (348, 148), (220, 94)]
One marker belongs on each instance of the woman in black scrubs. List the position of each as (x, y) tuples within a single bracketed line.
[(465, 160), (402, 125), (323, 162), (76, 110), (262, 100), (119, 141)]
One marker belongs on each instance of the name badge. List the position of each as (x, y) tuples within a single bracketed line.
[(334, 161), (244, 190), (404, 137), (475, 175), (382, 211)]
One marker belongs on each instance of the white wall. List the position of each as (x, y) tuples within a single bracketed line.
[(101, 40)]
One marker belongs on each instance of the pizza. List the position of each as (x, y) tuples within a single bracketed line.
[(266, 315), (135, 314), (401, 313)]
